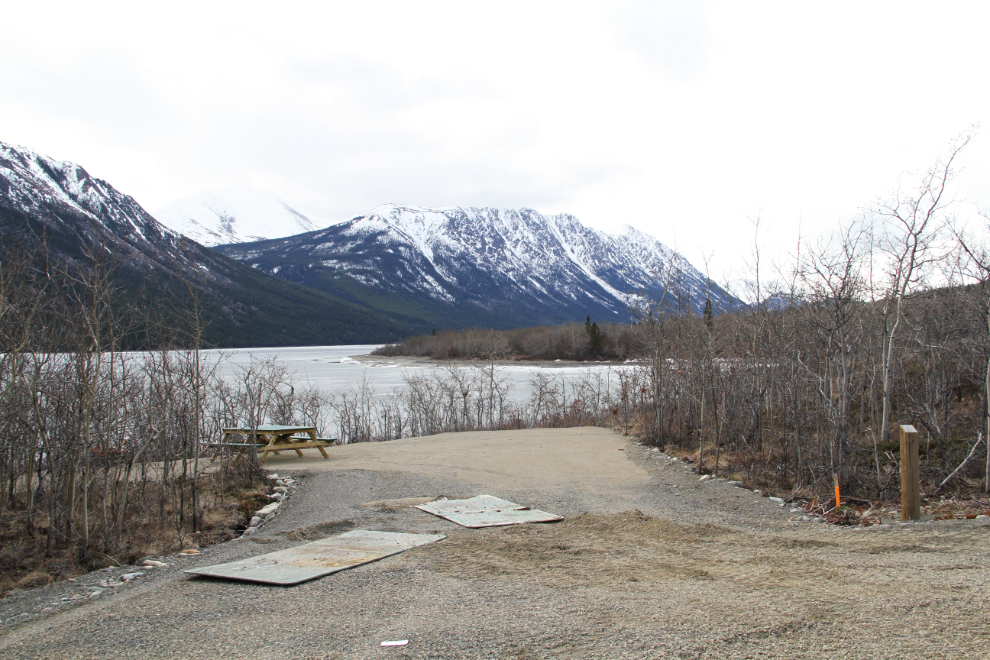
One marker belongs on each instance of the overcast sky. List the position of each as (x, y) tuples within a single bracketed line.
[(686, 120)]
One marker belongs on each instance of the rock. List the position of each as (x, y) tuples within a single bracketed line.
[(705, 477), (255, 521), (94, 593), (737, 484), (757, 492), (277, 496), (778, 500), (249, 531), (279, 482), (804, 519), (281, 489), (273, 477), (266, 511), (154, 563), (24, 616), (795, 510), (982, 516), (130, 577), (189, 552)]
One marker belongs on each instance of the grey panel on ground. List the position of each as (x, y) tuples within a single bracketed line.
[(319, 558), (486, 511)]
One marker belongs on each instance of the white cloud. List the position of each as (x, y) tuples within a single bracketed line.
[(673, 35)]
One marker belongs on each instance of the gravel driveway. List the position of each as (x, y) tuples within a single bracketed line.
[(650, 562)]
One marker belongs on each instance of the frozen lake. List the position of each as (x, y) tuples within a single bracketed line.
[(333, 368)]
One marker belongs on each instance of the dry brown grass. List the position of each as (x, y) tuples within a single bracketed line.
[(29, 559)]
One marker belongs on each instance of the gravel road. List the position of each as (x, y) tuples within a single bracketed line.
[(649, 562)]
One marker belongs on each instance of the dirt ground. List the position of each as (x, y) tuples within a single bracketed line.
[(585, 458), (649, 562)]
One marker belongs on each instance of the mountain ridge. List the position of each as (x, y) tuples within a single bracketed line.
[(508, 265), (79, 216), (395, 271)]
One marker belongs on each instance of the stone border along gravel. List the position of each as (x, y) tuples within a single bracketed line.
[(59, 596), (282, 491), (781, 502)]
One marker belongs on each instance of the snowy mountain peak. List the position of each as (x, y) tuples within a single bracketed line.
[(233, 215), (631, 232), (37, 185), (83, 221), (488, 263)]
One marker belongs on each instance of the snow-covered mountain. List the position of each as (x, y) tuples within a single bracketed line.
[(65, 202), (233, 215), (514, 266), (81, 218), (396, 271)]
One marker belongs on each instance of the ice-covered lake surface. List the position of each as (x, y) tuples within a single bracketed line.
[(333, 368)]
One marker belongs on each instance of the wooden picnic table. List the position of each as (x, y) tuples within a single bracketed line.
[(273, 438)]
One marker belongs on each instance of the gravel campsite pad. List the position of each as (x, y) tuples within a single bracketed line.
[(649, 562)]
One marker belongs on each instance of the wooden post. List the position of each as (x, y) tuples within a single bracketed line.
[(910, 482)]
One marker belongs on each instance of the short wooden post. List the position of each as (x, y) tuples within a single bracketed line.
[(910, 481)]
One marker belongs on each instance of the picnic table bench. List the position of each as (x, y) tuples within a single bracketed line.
[(274, 438)]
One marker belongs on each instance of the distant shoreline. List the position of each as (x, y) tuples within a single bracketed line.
[(418, 361)]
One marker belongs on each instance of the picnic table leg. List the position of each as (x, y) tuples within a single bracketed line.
[(264, 449), (288, 439), (312, 434)]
